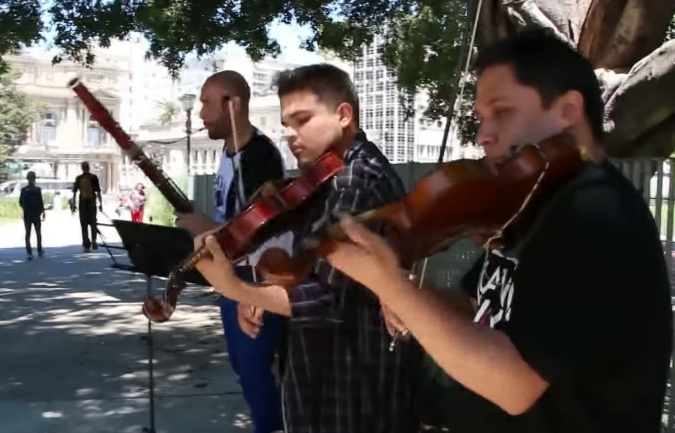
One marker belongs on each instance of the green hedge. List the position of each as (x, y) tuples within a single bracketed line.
[(158, 208), (10, 209)]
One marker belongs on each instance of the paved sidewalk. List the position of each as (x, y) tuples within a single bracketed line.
[(75, 347)]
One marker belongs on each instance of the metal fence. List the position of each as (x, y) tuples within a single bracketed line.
[(652, 177), (649, 175)]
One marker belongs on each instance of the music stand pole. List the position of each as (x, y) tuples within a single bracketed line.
[(151, 362), (155, 251)]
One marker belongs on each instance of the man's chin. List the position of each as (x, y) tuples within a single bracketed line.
[(303, 162), (213, 135)]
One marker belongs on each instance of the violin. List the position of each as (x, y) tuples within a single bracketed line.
[(459, 198), (275, 210)]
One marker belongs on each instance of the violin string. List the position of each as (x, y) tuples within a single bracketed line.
[(523, 205), (411, 277)]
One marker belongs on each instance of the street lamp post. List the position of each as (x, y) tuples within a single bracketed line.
[(188, 103)]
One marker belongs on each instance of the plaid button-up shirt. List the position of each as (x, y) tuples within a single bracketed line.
[(340, 375)]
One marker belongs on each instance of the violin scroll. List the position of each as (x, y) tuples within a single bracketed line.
[(159, 309)]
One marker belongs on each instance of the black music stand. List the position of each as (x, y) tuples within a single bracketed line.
[(155, 251)]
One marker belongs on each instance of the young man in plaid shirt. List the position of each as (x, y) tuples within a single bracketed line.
[(340, 375)]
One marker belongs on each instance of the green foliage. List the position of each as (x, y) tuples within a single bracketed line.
[(425, 45), (18, 113), (158, 207), (670, 34), (424, 38), (168, 111), (9, 208), (21, 24), (426, 51), (175, 28)]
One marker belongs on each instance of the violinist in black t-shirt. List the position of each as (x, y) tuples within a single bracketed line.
[(568, 326)]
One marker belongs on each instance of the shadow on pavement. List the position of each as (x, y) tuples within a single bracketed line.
[(76, 356)]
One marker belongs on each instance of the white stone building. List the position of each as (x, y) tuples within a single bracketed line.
[(66, 134)]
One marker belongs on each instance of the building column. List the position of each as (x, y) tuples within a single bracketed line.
[(114, 176), (61, 172)]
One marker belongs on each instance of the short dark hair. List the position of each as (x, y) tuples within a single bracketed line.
[(234, 82), (542, 60), (329, 83)]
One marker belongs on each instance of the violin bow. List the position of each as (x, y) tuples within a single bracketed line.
[(451, 124), (240, 186), (411, 277), (235, 141)]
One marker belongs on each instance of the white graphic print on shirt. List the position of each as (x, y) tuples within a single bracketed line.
[(495, 289), (223, 181)]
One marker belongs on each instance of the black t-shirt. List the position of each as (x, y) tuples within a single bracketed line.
[(587, 305), (88, 186)]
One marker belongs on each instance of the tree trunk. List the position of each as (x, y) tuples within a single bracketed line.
[(623, 39)]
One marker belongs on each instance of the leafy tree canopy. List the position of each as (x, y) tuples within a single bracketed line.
[(428, 50), (423, 38), (17, 115), (175, 28)]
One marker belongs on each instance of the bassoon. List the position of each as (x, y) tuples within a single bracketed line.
[(166, 186)]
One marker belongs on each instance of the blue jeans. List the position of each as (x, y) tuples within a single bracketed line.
[(252, 361)]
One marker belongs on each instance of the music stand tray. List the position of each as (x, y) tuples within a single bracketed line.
[(157, 250)]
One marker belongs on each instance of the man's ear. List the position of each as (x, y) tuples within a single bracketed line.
[(570, 109), (346, 114), (236, 103)]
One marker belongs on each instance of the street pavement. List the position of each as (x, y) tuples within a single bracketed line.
[(76, 347)]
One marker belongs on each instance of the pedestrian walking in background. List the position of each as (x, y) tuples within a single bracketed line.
[(89, 188), (33, 208)]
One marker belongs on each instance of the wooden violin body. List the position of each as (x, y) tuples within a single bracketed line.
[(274, 211), (468, 196), (459, 198)]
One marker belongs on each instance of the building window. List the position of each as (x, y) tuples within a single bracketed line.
[(93, 133), (47, 128)]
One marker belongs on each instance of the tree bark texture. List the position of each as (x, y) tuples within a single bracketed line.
[(623, 39)]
